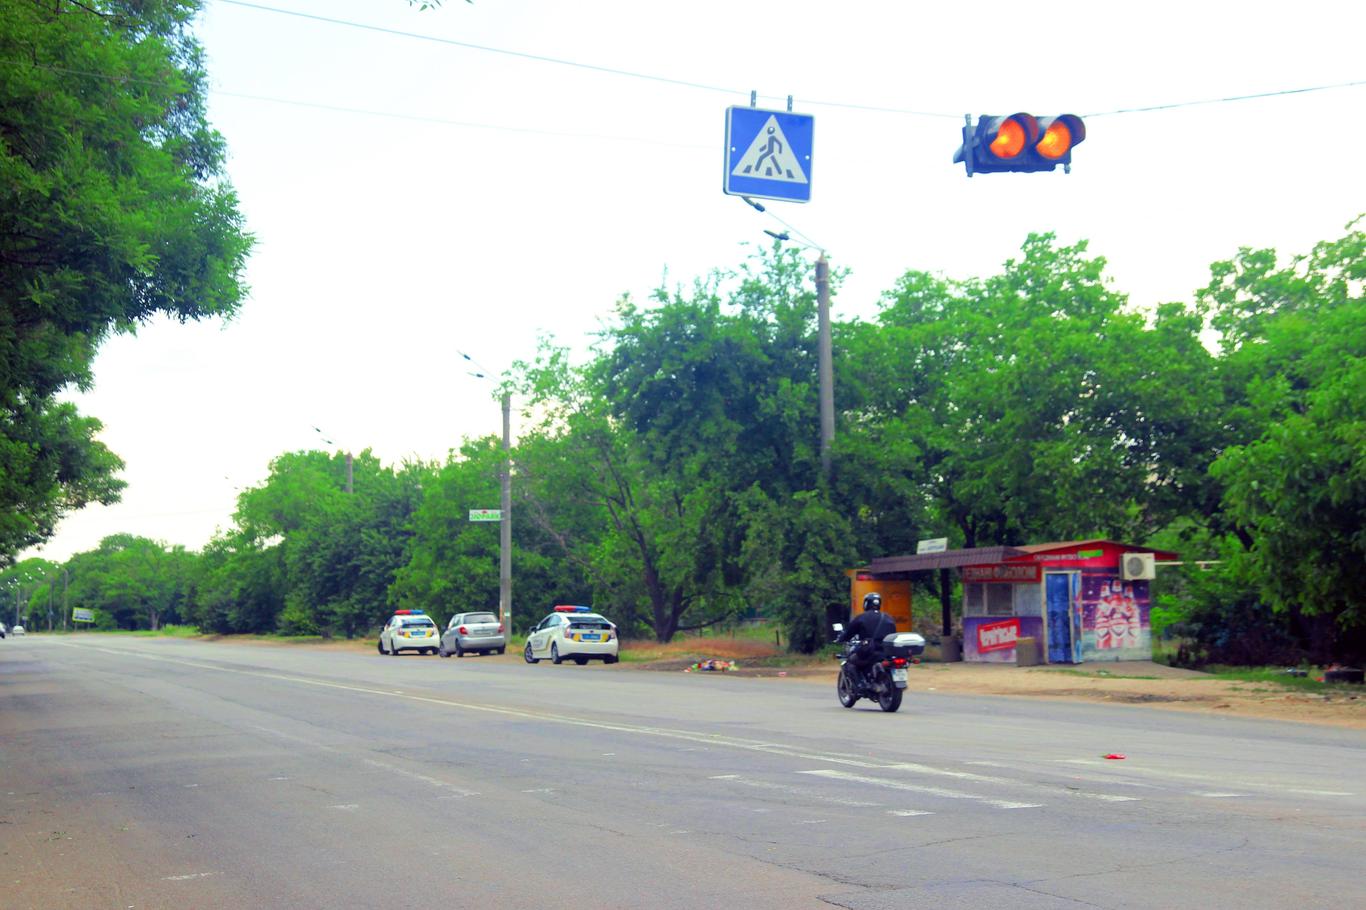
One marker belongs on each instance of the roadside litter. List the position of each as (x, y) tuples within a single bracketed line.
[(1118, 756), (711, 666)]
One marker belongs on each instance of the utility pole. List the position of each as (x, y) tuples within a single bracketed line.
[(349, 487), (505, 526), (826, 366)]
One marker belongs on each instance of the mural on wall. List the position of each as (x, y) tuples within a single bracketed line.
[(1116, 618)]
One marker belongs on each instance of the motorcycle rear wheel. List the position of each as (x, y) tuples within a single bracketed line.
[(889, 699), (845, 689)]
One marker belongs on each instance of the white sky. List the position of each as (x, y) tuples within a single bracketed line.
[(386, 244)]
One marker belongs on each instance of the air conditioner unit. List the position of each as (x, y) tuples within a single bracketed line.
[(1137, 567)]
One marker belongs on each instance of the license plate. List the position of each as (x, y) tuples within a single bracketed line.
[(591, 636), (898, 676)]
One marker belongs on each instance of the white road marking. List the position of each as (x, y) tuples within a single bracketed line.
[(190, 876), (413, 775), (795, 791), (1103, 797), (1181, 775), (540, 790), (1220, 795), (918, 788), (346, 807), (907, 813)]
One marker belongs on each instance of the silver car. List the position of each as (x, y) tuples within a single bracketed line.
[(479, 632)]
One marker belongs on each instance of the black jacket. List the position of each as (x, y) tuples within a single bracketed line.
[(870, 625)]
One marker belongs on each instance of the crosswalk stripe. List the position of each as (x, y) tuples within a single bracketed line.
[(918, 788)]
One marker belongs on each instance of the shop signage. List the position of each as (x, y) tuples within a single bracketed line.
[(998, 636), (933, 545), (1002, 573)]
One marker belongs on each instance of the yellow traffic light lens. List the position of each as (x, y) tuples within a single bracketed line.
[(1009, 141), (1056, 141)]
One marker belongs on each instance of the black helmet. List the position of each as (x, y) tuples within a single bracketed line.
[(872, 601)]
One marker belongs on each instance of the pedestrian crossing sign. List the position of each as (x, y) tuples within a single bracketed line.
[(768, 154)]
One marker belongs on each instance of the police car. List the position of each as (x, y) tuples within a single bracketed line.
[(409, 630), (572, 633)]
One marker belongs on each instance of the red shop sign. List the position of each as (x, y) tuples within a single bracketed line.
[(998, 636), (1014, 572)]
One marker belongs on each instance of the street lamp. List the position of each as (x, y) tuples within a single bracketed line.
[(505, 505), (349, 488)]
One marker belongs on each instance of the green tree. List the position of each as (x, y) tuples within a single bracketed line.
[(139, 583), (1028, 405), (1294, 475), (113, 210)]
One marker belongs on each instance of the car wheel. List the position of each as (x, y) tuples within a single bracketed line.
[(555, 653), (526, 655), (441, 650), (381, 647), (459, 651), (393, 650), (581, 661), (501, 650), (610, 659)]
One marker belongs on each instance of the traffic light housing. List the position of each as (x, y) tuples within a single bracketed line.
[(1019, 142)]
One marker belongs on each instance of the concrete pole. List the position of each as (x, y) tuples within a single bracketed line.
[(826, 365), (349, 487), (505, 526)]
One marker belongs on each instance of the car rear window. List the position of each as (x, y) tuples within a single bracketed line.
[(417, 623), (480, 617), (592, 622)]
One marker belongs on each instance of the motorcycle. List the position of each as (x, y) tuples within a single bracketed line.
[(885, 680)]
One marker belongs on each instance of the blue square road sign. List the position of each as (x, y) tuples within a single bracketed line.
[(768, 154)]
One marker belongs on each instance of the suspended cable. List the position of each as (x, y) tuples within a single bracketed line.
[(560, 61), (1231, 98)]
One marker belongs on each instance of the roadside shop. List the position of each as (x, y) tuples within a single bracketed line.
[(1079, 601)]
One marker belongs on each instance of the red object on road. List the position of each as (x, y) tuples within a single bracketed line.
[(1117, 755)]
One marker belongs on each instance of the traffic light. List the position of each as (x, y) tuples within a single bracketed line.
[(1019, 142)]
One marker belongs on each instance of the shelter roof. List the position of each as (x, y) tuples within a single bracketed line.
[(949, 559)]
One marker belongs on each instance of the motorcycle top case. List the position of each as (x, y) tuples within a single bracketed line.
[(903, 644)]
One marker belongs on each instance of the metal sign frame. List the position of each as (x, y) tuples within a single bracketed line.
[(743, 126)]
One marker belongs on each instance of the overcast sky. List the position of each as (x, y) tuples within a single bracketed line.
[(472, 200)]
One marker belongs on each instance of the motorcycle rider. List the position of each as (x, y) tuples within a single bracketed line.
[(869, 627)]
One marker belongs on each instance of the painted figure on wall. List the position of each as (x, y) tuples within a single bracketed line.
[(1115, 618)]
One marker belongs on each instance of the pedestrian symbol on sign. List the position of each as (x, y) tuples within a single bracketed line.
[(770, 157)]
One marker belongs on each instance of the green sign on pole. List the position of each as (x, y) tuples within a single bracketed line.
[(486, 514)]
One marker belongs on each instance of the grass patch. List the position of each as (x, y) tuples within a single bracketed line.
[(1276, 676), (1096, 674), (699, 648)]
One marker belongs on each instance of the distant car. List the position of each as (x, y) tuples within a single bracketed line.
[(3, 630), (478, 632), (409, 630), (572, 633), (17, 631)]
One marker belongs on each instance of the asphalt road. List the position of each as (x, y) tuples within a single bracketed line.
[(156, 773)]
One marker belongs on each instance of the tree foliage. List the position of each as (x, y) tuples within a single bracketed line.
[(113, 210), (673, 479)]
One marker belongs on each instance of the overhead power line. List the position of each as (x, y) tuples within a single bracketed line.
[(560, 61), (1230, 98)]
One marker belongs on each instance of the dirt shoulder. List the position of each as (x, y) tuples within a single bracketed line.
[(1127, 683)]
